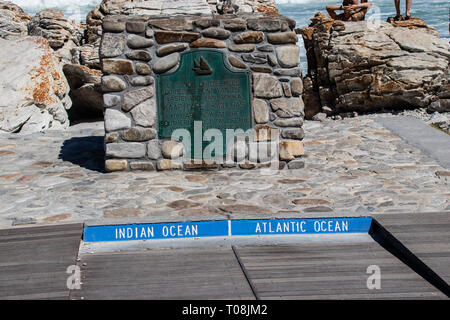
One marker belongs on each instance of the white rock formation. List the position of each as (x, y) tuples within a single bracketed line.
[(33, 89)]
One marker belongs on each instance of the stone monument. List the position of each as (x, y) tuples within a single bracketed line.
[(201, 92)]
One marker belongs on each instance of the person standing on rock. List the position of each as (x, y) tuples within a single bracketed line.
[(407, 13), (353, 10)]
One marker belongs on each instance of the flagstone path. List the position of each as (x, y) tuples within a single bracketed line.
[(353, 165)]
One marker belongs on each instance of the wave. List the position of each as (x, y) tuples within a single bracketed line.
[(54, 3), (76, 10), (294, 1)]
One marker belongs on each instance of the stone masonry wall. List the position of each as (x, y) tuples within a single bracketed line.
[(136, 48)]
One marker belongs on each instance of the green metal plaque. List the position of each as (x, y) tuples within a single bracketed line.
[(203, 89)]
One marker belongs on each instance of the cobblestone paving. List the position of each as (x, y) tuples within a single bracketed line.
[(352, 165)]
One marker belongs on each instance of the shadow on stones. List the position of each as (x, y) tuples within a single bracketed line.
[(86, 152)]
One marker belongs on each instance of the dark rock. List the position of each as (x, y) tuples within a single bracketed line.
[(143, 68), (142, 165), (113, 83), (117, 66), (141, 81), (247, 48), (235, 62), (216, 33), (172, 24), (235, 24), (142, 55), (133, 98), (294, 72), (136, 26), (206, 23), (110, 25), (266, 48), (166, 63), (170, 48), (249, 37), (208, 43), (262, 69), (263, 24), (296, 87), (138, 42), (293, 133), (113, 45), (258, 58), (282, 38), (163, 37), (138, 134), (296, 164)]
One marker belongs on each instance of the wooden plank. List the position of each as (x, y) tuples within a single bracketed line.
[(201, 273), (330, 271), (40, 230), (426, 235), (34, 260)]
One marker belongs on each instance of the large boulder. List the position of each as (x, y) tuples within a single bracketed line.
[(13, 21), (85, 91), (33, 88), (364, 67), (64, 35)]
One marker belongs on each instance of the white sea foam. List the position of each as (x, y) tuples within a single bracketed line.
[(53, 3), (74, 9), (432, 11)]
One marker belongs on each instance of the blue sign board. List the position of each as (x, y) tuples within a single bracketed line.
[(300, 226), (225, 228), (156, 231)]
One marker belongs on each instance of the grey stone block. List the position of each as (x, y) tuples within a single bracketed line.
[(129, 150), (116, 120)]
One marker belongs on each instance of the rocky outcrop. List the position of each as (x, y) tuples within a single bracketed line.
[(364, 67), (77, 46), (79, 58), (13, 21), (62, 34), (33, 88)]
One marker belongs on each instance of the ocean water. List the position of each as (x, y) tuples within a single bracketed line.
[(434, 12), (75, 9)]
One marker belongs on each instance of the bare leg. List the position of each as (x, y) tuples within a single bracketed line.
[(408, 8), (397, 7)]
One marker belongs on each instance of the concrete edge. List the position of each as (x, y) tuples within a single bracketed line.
[(263, 240)]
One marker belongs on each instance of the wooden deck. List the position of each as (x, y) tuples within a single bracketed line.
[(33, 264), (200, 273), (426, 235), (34, 260), (330, 271)]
